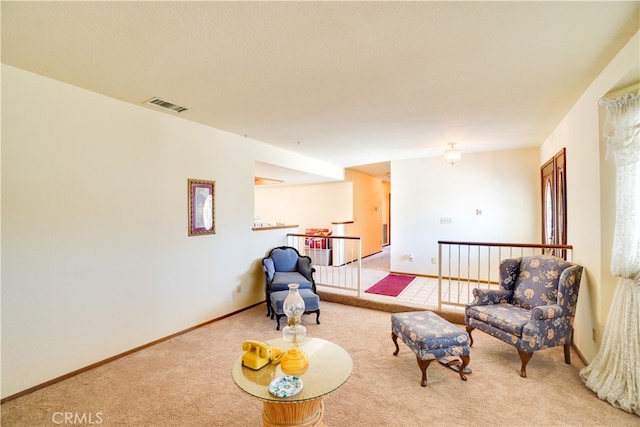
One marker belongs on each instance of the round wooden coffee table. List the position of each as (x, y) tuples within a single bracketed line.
[(329, 367)]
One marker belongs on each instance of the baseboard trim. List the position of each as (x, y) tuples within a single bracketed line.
[(118, 356), (580, 355)]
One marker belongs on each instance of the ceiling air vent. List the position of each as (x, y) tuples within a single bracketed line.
[(166, 105)]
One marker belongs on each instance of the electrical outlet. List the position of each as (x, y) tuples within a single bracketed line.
[(433, 260), (238, 288)]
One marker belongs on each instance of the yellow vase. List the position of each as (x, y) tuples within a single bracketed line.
[(294, 361)]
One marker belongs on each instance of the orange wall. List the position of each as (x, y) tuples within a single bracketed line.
[(386, 208), (367, 210)]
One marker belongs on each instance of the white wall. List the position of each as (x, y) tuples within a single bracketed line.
[(319, 205), (504, 185), (95, 254), (590, 207), (309, 206)]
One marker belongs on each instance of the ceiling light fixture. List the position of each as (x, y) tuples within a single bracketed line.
[(452, 154)]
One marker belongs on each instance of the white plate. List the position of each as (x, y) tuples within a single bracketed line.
[(285, 386)]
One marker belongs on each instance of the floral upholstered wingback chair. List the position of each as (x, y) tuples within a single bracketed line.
[(534, 307)]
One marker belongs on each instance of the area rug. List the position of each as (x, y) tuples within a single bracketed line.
[(391, 285)]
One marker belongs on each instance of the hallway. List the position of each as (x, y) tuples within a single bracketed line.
[(421, 292)]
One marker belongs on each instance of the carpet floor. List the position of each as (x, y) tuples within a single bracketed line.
[(186, 381)]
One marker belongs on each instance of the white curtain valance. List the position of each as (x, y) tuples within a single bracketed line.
[(622, 127)]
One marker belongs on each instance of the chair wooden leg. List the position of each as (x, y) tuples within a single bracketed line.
[(524, 357), (469, 329), (567, 354), (318, 317), (394, 337), (277, 321)]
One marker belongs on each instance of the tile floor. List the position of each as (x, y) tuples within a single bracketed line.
[(421, 292)]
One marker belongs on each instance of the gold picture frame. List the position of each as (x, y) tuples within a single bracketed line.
[(201, 209)]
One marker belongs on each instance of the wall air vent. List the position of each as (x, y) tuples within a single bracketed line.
[(166, 105)]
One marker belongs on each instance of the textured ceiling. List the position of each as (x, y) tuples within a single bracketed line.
[(351, 83)]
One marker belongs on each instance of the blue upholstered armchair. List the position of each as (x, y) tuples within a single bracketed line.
[(282, 266), (534, 307)]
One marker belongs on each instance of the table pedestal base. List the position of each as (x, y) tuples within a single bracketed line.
[(307, 413)]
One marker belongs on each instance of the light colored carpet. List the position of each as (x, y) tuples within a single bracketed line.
[(186, 381), (380, 261)]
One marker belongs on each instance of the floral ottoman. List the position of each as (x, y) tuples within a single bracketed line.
[(431, 338)]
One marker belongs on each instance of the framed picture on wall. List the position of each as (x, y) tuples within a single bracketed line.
[(201, 195)]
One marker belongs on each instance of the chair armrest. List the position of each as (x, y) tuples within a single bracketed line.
[(268, 268), (568, 287), (550, 325), (490, 296), (546, 312)]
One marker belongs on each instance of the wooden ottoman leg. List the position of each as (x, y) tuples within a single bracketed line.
[(394, 337), (465, 361), (423, 364)]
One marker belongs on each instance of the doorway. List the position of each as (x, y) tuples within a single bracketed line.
[(554, 202)]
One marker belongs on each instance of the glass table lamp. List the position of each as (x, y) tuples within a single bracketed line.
[(294, 360)]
